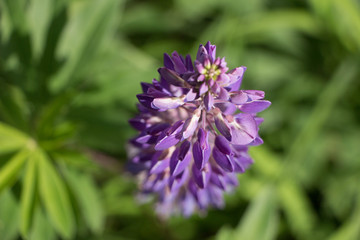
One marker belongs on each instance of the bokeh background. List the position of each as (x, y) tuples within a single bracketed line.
[(69, 73)]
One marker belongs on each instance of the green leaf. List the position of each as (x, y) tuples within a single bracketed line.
[(9, 172), (55, 197), (346, 19), (51, 112), (39, 17), (350, 230), (9, 216), (5, 24), (342, 18), (88, 199), (19, 40), (41, 228), (260, 220), (11, 139), (89, 24), (321, 112), (267, 162), (225, 233), (16, 11), (298, 211), (13, 106), (28, 196)]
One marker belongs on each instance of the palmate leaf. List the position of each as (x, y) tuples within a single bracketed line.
[(52, 190), (41, 227), (11, 139), (296, 156), (90, 24), (87, 197), (292, 197), (225, 233), (28, 196), (350, 230), (10, 171), (16, 12), (342, 18), (19, 40), (297, 208), (9, 216), (260, 220), (13, 106), (39, 16)]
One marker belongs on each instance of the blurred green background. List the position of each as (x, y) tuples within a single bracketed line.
[(69, 73)]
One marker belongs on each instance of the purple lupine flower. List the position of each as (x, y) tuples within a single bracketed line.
[(195, 129)]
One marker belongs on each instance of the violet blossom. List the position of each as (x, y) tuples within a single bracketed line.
[(195, 127)]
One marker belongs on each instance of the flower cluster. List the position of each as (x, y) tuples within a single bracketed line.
[(195, 129)]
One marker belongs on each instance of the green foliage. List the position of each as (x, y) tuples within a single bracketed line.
[(69, 74)]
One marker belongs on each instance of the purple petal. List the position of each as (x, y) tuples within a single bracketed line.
[(222, 126), (223, 144), (168, 102), (166, 142), (226, 108), (177, 166), (218, 180), (178, 63), (145, 100), (145, 138), (236, 76), (203, 137), (183, 149), (208, 101), (168, 63), (207, 62), (223, 94), (222, 65), (255, 106), (175, 182), (200, 78), (201, 149), (223, 79), (190, 96), (255, 94), (223, 160), (142, 157), (200, 67), (243, 129), (145, 86), (202, 177), (198, 156), (211, 49), (188, 204), (216, 197), (258, 120), (188, 63), (242, 163), (159, 166), (138, 123), (156, 93), (257, 141), (203, 88), (175, 128), (231, 179), (156, 128), (171, 77), (202, 52), (239, 97), (170, 137), (191, 124), (215, 88)]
